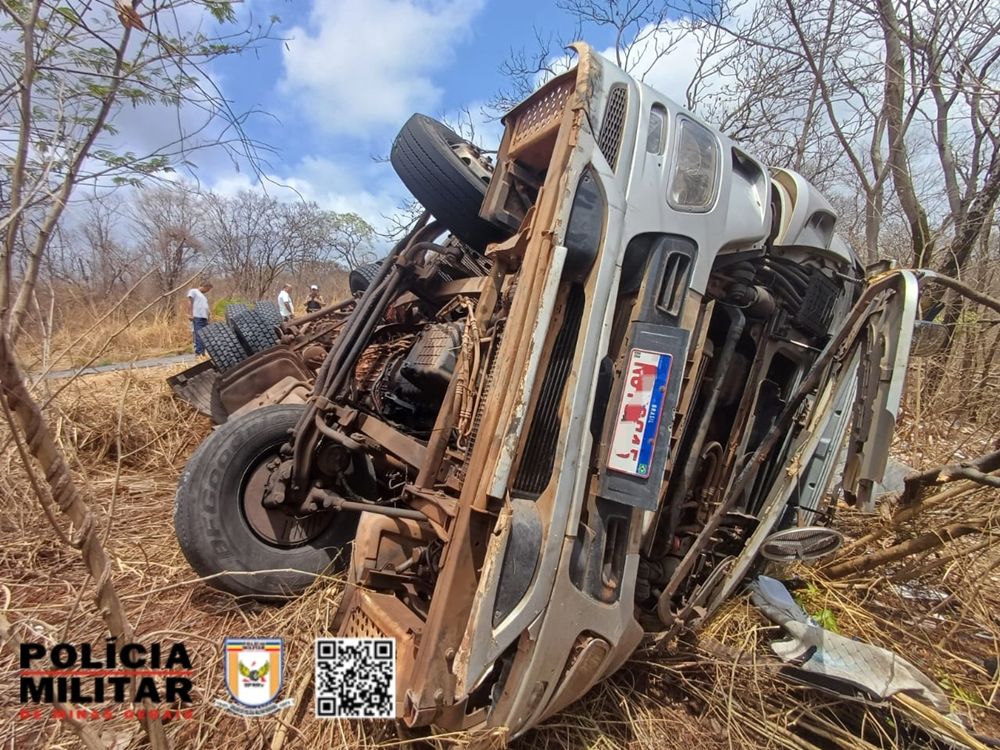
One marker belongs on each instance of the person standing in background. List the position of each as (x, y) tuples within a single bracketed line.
[(198, 313), (315, 301), (285, 302)]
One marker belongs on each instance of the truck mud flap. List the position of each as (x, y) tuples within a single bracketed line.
[(197, 386)]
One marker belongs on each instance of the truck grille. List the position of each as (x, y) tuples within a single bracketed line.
[(360, 625), (610, 140), (543, 430), (477, 419)]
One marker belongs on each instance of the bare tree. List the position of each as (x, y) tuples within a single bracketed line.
[(351, 239), (524, 68), (103, 261), (894, 102), (170, 223), (68, 69), (257, 238)]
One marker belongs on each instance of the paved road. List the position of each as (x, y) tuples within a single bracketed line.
[(175, 359)]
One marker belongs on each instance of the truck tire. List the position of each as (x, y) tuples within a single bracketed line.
[(255, 333), (222, 345), (269, 312), (235, 308), (423, 157), (214, 514), (360, 278)]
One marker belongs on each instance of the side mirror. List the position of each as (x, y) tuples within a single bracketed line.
[(929, 338)]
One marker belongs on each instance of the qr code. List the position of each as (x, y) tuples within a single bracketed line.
[(356, 678)]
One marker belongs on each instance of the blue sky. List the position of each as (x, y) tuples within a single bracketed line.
[(340, 78), (348, 74)]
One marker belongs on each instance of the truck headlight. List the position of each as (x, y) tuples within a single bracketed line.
[(695, 180)]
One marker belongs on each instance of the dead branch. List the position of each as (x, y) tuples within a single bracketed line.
[(960, 489), (921, 568), (67, 498), (964, 289), (977, 471), (932, 539)]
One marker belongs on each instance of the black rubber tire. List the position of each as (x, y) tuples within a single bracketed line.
[(223, 346), (235, 308), (213, 531), (269, 312), (441, 181), (254, 332), (361, 277)]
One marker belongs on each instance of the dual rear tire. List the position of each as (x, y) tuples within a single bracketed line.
[(243, 333)]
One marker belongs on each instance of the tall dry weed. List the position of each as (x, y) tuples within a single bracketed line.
[(128, 440)]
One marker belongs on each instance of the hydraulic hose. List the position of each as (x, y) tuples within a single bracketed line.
[(354, 336)]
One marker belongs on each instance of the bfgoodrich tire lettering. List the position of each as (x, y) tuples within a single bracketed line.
[(213, 531)]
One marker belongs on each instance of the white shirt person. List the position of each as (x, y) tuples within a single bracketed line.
[(285, 306), (198, 313)]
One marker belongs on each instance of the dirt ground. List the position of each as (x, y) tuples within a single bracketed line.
[(128, 440)]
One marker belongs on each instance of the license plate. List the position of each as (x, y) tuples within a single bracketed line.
[(638, 419)]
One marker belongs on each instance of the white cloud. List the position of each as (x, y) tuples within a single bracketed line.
[(232, 183), (671, 73), (366, 63), (369, 191)]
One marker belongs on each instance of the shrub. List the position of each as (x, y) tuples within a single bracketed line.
[(219, 308)]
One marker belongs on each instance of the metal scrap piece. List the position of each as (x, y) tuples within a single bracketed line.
[(838, 660)]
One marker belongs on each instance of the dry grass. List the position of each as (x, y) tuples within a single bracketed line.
[(128, 440), (85, 336), (75, 330)]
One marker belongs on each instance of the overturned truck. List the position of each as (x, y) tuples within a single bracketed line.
[(600, 382)]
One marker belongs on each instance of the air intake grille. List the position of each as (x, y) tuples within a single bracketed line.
[(610, 140), (360, 625), (543, 430), (482, 400), (543, 112)]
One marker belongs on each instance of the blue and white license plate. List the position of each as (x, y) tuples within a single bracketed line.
[(638, 419)]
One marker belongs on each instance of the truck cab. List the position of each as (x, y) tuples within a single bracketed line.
[(606, 377)]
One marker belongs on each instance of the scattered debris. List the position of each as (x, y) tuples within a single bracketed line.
[(834, 662)]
